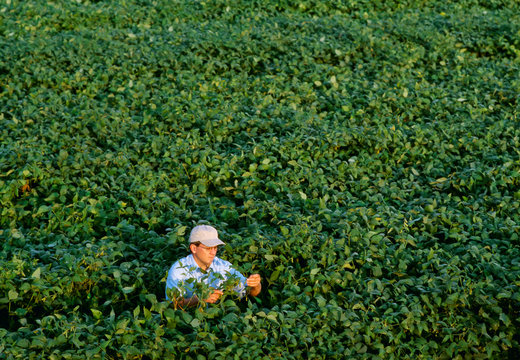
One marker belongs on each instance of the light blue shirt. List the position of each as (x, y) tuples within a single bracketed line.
[(185, 274)]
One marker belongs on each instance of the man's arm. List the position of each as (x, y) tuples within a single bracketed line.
[(194, 300), (185, 302)]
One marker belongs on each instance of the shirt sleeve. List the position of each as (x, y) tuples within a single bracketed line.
[(240, 288), (176, 281)]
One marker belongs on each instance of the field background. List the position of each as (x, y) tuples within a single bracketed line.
[(362, 156)]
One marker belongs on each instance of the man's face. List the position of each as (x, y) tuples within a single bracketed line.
[(203, 255)]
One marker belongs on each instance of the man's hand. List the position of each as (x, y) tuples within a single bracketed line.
[(255, 283), (214, 296), (253, 280)]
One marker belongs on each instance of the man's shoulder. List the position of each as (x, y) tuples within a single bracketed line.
[(219, 263), (224, 267), (183, 263)]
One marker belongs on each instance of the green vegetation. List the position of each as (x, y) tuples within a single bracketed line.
[(362, 156)]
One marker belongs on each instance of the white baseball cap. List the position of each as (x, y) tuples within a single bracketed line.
[(206, 235)]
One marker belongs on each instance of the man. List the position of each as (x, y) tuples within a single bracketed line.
[(203, 269)]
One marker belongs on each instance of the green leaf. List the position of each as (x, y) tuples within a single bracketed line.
[(16, 234), (147, 313), (181, 230), (505, 319), (36, 273), (12, 295), (96, 313), (169, 314), (376, 271), (504, 295), (272, 316), (43, 209), (274, 276)]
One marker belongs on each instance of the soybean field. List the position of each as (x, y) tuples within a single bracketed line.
[(362, 156)]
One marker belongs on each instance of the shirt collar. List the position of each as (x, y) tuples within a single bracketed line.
[(192, 262)]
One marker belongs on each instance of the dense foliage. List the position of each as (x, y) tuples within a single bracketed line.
[(362, 156)]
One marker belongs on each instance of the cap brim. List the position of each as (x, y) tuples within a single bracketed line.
[(212, 242)]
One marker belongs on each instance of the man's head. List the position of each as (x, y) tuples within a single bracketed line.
[(203, 244)]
